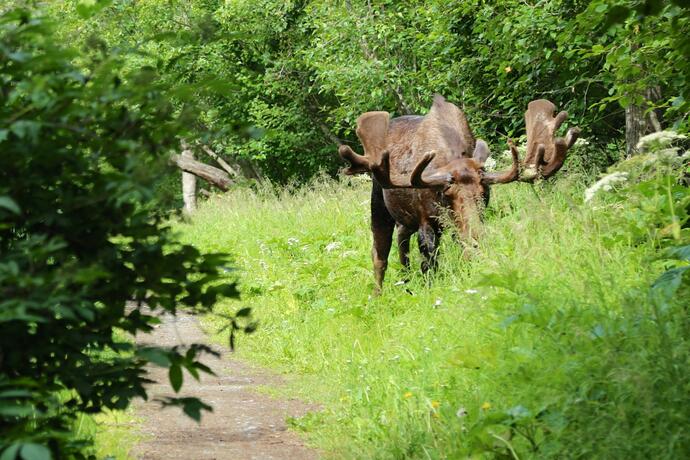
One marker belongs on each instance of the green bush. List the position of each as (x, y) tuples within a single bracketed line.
[(83, 251)]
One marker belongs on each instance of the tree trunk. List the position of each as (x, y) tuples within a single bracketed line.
[(635, 125), (188, 182), (213, 175)]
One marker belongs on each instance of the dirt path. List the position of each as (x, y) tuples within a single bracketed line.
[(244, 423)]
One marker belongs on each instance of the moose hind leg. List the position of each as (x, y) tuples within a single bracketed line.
[(382, 225), (428, 238), (404, 235)]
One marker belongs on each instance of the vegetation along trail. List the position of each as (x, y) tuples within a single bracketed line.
[(174, 176), (243, 425)]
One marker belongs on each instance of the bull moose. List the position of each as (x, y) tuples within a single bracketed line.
[(422, 165)]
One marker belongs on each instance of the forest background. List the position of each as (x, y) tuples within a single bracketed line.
[(99, 96)]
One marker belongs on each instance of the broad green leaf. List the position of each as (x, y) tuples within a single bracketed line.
[(8, 203), (11, 452), (175, 375), (31, 451), (158, 356)]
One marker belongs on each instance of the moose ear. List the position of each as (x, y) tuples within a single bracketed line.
[(372, 129), (481, 152)]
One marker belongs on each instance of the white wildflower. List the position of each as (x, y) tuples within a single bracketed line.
[(658, 140), (292, 241), (606, 183), (471, 291), (438, 303), (330, 247), (462, 412)]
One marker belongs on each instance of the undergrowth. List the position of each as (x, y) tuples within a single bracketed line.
[(548, 341)]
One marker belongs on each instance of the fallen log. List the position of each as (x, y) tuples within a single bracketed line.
[(209, 173)]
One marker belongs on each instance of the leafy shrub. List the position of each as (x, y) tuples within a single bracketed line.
[(621, 389), (82, 251)]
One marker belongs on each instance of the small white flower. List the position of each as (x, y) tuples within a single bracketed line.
[(658, 140), (462, 412), (606, 183), (333, 246), (292, 241), (438, 303), (471, 291)]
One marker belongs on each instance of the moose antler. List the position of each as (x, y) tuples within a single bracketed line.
[(505, 177), (372, 130), (545, 154)]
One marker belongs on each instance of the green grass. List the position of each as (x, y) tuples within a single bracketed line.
[(535, 346), (114, 433)]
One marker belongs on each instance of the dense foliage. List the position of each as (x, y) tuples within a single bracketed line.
[(565, 335), (300, 72), (86, 260)]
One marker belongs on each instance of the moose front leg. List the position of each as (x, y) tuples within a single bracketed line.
[(428, 238)]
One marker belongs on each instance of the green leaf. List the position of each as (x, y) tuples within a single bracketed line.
[(15, 394), (244, 312), (13, 410), (8, 203), (155, 355), (665, 287), (677, 253), (192, 407), (175, 375), (11, 452), (31, 451)]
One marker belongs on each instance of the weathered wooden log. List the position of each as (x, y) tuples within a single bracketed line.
[(211, 174)]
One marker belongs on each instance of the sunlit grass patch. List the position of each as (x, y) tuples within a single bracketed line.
[(115, 433), (424, 370)]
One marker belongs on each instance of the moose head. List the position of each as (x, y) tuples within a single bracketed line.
[(422, 164)]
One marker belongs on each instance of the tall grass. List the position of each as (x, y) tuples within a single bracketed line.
[(535, 346), (114, 433)]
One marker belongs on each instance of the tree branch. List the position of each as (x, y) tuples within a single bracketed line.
[(209, 173)]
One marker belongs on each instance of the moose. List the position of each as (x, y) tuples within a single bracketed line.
[(422, 165)]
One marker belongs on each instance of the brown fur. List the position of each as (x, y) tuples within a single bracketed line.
[(419, 210), (422, 166)]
